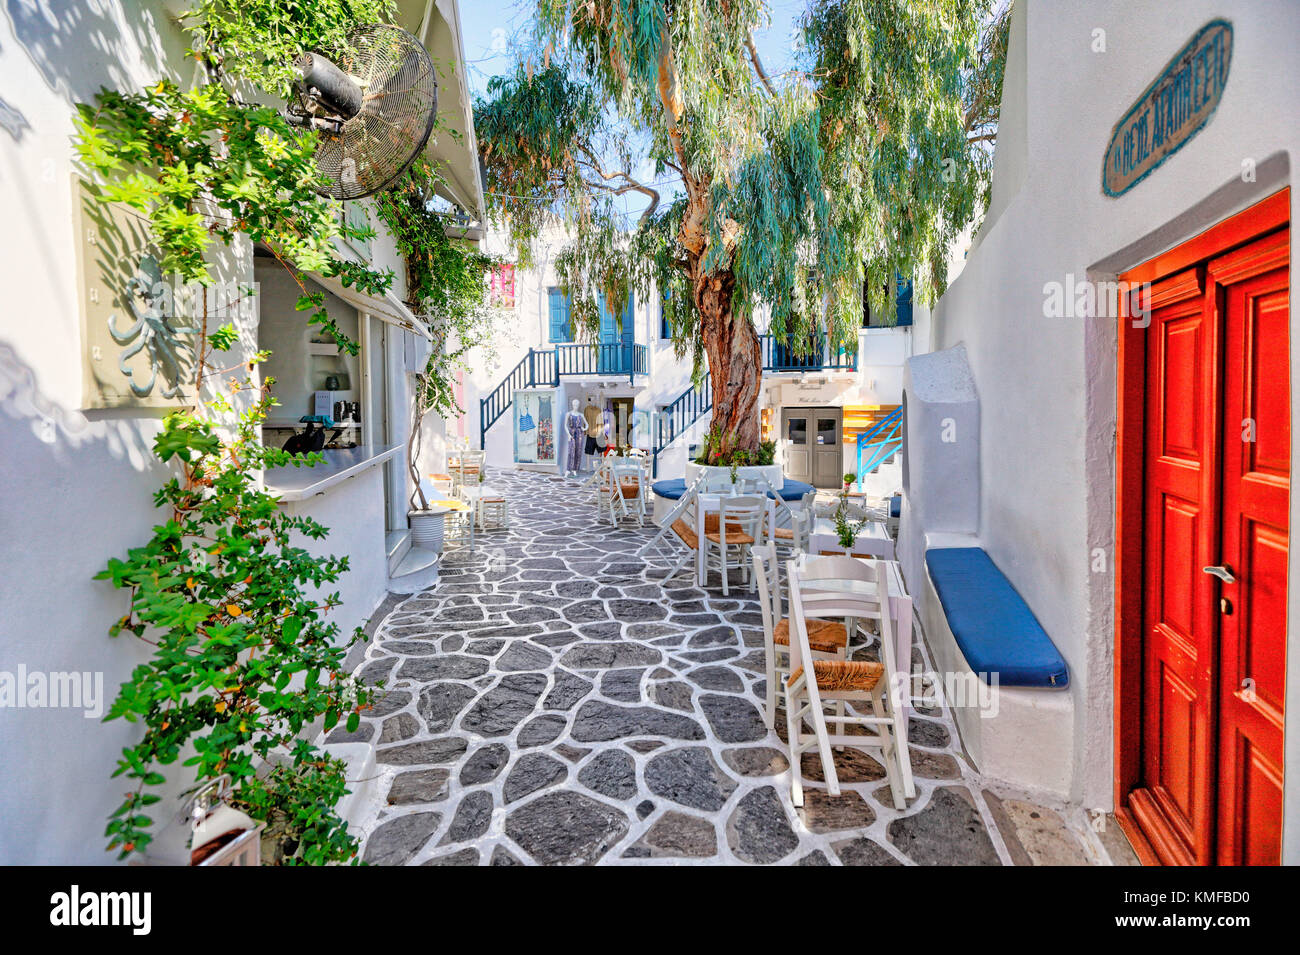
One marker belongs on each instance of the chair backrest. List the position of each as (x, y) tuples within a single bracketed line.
[(809, 601), (830, 583), (744, 511), (767, 571), (625, 472)]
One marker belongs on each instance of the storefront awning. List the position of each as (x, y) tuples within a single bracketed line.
[(389, 308)]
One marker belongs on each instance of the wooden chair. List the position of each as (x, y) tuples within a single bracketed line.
[(791, 532), (814, 595), (740, 523), (678, 531), (627, 491), (826, 638)]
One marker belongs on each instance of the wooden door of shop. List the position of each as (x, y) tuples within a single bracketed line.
[(1206, 692)]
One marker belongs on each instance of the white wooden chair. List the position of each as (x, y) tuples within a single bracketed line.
[(827, 639), (792, 525), (739, 526), (467, 468), (812, 682), (627, 491), (677, 531)]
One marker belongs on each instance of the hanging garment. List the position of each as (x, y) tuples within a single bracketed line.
[(592, 415), (526, 422), (575, 425)]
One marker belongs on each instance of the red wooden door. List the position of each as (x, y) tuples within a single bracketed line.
[(1178, 626), (1256, 491), (1216, 489)]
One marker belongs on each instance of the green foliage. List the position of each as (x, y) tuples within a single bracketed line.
[(720, 450), (445, 282), (243, 658), (864, 163), (258, 40), (846, 531), (244, 661), (202, 166)]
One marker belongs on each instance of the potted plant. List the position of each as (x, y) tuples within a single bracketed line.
[(849, 478)]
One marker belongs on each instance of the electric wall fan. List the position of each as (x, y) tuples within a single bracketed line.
[(374, 109)]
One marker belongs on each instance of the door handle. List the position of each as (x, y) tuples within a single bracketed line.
[(1224, 573)]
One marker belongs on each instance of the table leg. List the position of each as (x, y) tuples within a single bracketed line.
[(901, 607), (700, 570)]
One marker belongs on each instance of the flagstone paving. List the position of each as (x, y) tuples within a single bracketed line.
[(554, 700)]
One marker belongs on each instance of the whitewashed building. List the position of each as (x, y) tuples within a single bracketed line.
[(814, 406), (1123, 460), (78, 480)]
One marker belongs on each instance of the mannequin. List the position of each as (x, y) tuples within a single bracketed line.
[(595, 429), (575, 426)]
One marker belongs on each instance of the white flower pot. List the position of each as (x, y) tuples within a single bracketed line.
[(427, 528)]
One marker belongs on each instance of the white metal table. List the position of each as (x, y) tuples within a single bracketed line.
[(872, 541)]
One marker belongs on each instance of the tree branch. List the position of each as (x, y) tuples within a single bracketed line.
[(758, 64)]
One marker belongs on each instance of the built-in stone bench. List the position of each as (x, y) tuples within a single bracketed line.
[(1016, 718)]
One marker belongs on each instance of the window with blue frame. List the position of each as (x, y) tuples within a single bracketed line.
[(560, 329), (902, 307), (665, 325)]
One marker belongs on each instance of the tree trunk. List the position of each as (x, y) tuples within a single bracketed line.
[(735, 358)]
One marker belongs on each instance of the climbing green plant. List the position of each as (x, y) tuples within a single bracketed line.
[(245, 664), (446, 283), (206, 169), (243, 658), (257, 40)]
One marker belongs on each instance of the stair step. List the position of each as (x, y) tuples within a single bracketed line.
[(416, 560)]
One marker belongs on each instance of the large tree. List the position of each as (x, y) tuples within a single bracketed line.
[(793, 192)]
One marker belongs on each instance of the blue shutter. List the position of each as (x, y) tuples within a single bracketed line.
[(903, 304), (560, 331), (665, 326)]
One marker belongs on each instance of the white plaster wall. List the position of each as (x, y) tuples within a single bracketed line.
[(1046, 384), (78, 485), (354, 513)]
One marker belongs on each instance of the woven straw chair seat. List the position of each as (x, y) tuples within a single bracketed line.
[(824, 636), (844, 675)]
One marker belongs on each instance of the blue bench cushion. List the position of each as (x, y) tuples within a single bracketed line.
[(994, 627), (674, 488)]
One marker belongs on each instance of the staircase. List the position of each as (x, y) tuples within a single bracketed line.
[(880, 443), (686, 409), (544, 367)]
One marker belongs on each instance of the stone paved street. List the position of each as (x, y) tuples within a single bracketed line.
[(553, 700)]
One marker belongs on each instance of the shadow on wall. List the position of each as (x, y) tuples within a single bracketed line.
[(65, 431), (79, 46)]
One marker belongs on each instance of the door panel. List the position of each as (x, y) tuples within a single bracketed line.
[(1178, 617), (798, 456), (1255, 543), (828, 456)]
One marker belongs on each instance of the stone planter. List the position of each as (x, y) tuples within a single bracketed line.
[(720, 476)]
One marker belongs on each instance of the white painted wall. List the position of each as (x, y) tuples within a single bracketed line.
[(78, 485), (1046, 385)]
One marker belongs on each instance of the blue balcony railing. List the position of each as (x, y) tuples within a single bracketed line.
[(784, 355)]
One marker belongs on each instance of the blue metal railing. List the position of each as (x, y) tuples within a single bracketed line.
[(545, 366), (880, 443), (685, 410), (780, 354)]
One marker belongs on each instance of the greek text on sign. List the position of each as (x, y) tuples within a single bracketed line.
[(1170, 111)]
